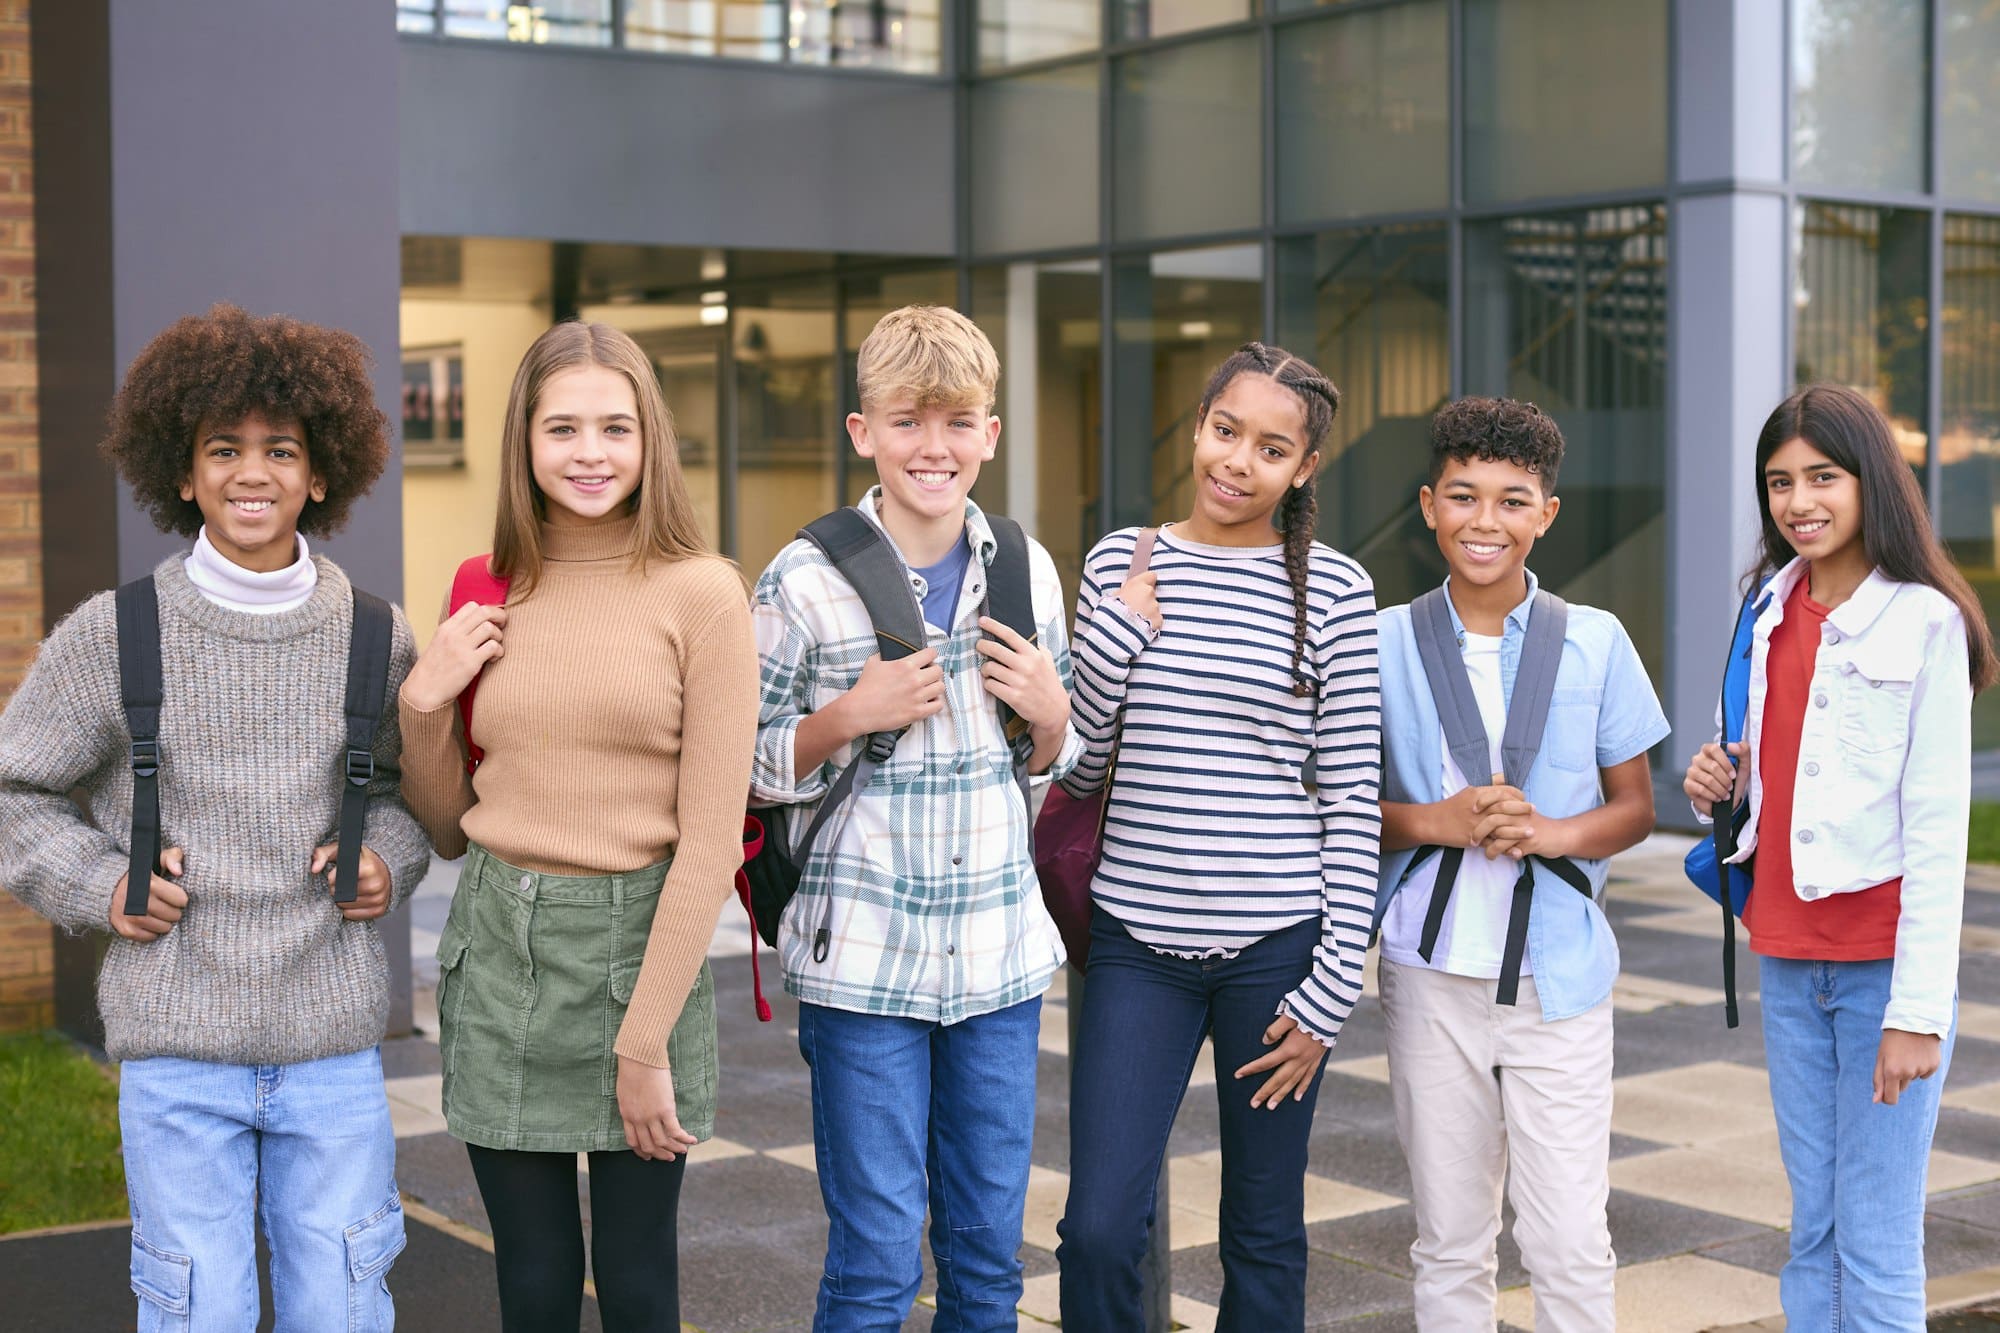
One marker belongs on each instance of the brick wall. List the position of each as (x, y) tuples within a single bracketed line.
[(27, 971)]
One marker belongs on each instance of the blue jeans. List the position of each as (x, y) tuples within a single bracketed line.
[(210, 1146), (1144, 1017), (1856, 1169), (908, 1113)]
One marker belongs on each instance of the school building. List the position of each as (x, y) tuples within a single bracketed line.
[(1652, 217)]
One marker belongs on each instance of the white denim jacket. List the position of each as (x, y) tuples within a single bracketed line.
[(1884, 782)]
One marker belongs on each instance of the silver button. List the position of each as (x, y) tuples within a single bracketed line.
[(1874, 684), (1812, 770), (1805, 835), (527, 882), (1819, 701), (1832, 634)]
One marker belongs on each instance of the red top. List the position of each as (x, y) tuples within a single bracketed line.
[(1843, 928)]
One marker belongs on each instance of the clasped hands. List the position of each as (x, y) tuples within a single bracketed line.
[(1499, 820)]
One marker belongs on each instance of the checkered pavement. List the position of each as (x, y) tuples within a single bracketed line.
[(1698, 1207)]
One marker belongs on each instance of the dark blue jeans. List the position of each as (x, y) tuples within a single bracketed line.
[(1144, 1017)]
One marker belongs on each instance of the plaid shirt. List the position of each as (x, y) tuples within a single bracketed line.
[(936, 912)]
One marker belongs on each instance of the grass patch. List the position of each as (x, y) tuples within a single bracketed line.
[(1983, 844), (59, 1161)]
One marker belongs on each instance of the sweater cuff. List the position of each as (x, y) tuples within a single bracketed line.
[(87, 903)]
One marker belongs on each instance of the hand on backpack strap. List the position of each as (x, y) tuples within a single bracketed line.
[(893, 695), (1141, 596), (164, 906), (464, 643), (371, 886), (1711, 778), (1023, 676)]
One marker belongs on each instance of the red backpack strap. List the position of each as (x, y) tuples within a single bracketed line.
[(475, 581)]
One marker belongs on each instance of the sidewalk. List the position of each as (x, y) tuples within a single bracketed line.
[(1698, 1205)]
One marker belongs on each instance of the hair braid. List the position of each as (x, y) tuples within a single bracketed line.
[(1299, 515)]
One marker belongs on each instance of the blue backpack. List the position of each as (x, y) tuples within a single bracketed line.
[(1707, 861)]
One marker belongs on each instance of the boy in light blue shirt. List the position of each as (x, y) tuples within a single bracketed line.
[(1479, 1080)]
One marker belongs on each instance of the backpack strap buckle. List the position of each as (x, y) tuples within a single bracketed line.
[(360, 767), (145, 757)]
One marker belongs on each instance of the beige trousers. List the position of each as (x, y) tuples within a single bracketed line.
[(1480, 1087)]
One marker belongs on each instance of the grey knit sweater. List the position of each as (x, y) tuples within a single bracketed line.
[(262, 968)]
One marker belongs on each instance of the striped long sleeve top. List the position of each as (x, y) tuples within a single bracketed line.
[(1212, 839)]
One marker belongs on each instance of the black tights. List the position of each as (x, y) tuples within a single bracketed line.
[(531, 1201)]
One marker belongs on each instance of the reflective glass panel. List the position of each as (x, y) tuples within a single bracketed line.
[(1371, 308), (1013, 31), (1187, 125), (1034, 160), (557, 22), (1858, 103), (1969, 431), (1141, 19), (1569, 311), (1564, 96), (789, 432), (416, 16), (1044, 321), (1862, 309), (1364, 113), (1178, 315), (1969, 117), (890, 34)]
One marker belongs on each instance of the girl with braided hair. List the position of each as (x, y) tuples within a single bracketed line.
[(1232, 902)]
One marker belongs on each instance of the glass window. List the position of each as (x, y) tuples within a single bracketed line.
[(557, 22), (1969, 431), (1564, 96), (416, 15), (1569, 311), (891, 34), (868, 298), (1371, 308), (1044, 320), (789, 431), (1862, 309), (1189, 138), (1013, 31), (1034, 161), (1859, 68), (1969, 119), (1178, 315), (1141, 19), (1364, 113)]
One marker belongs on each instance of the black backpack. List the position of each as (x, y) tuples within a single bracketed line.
[(865, 559), (140, 682)]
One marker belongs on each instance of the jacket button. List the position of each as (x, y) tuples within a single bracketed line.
[(1819, 701), (1812, 770), (1805, 835), (527, 882), (1874, 684), (950, 950), (1832, 635), (958, 860)]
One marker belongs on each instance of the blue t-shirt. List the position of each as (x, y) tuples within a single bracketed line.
[(942, 582)]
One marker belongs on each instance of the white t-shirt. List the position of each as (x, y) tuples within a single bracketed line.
[(1474, 934)]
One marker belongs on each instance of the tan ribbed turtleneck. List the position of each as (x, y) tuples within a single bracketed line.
[(615, 680)]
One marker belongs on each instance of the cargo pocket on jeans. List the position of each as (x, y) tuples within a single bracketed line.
[(372, 1245), (161, 1282)]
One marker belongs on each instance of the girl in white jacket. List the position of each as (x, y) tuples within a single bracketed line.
[(1856, 758)]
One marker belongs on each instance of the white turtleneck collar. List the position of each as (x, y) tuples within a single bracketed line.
[(227, 583)]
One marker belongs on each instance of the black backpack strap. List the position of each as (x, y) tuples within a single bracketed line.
[(865, 559), (1465, 737), (368, 646), (140, 687), (1010, 599)]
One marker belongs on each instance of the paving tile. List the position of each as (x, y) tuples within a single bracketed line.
[(800, 1155), (1952, 1171), (1976, 1019), (1336, 1289), (1968, 1133), (1692, 1104), (1979, 1205), (1704, 921), (1632, 993), (1048, 1194), (1674, 1295), (1978, 939), (1984, 1098), (1697, 1178), (1374, 1068), (434, 1170), (718, 1150)]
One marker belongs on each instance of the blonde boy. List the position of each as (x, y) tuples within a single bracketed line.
[(919, 1012)]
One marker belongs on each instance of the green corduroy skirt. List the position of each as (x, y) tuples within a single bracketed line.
[(535, 973)]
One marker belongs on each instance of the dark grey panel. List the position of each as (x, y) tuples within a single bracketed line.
[(606, 146), (254, 150)]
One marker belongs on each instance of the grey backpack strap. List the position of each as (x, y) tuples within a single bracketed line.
[(1534, 685), (1451, 689)]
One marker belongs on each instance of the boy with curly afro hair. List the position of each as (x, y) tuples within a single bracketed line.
[(1497, 961), (246, 1005)]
